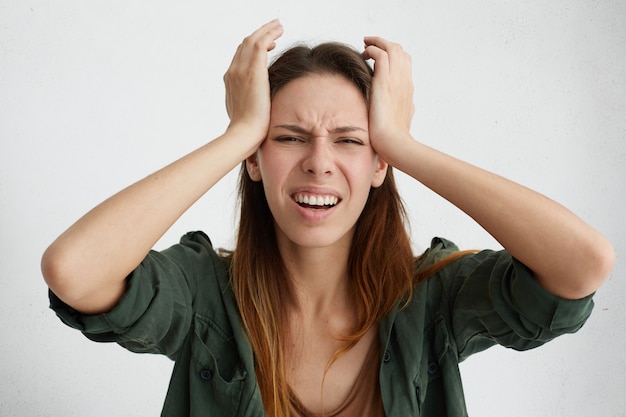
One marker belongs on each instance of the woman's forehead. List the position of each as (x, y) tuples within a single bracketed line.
[(331, 98)]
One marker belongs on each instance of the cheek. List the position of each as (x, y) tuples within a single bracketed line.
[(363, 183), (362, 168), (273, 171), (360, 184)]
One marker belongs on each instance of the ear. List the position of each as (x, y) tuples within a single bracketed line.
[(252, 166), (380, 173)]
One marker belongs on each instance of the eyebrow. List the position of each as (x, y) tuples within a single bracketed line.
[(341, 129)]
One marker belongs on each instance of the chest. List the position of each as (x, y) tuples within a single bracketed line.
[(322, 377)]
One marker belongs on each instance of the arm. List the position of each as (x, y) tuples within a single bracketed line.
[(523, 221), (86, 266)]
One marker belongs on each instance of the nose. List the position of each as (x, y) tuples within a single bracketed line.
[(319, 158)]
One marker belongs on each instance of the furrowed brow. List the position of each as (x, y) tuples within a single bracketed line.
[(348, 129), (293, 128), (341, 129)]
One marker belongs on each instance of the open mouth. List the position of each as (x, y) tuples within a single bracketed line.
[(316, 201)]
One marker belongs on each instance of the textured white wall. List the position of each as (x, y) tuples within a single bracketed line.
[(95, 95)]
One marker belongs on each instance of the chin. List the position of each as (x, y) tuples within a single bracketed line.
[(318, 239)]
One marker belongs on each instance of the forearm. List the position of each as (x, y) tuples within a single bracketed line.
[(567, 256), (86, 266)]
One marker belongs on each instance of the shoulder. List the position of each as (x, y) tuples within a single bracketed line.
[(197, 259), (439, 249), (206, 271)]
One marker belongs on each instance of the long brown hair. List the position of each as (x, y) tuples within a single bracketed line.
[(381, 262)]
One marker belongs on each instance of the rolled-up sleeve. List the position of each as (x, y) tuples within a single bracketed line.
[(156, 310), (492, 298)]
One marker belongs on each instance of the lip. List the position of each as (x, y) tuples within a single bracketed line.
[(311, 214), (317, 191)]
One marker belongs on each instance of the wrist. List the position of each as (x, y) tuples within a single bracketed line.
[(395, 148), (245, 135)]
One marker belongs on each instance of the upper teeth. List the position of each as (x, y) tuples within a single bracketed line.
[(316, 200)]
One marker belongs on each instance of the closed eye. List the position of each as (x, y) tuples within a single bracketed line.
[(288, 139), (350, 141)]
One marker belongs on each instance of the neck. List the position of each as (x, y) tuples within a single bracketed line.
[(319, 277)]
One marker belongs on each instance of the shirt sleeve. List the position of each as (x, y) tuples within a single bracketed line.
[(155, 313), (492, 298)]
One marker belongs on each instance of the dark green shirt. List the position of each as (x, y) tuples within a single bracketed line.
[(179, 303)]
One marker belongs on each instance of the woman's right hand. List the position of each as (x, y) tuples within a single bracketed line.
[(247, 85), (87, 265)]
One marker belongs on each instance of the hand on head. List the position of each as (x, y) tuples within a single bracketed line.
[(247, 85), (391, 102)]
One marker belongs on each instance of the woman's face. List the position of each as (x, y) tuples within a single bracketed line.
[(317, 164)]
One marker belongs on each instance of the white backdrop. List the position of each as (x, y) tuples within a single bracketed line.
[(95, 95)]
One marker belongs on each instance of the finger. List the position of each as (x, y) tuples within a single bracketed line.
[(266, 35), (383, 44), (376, 41), (388, 56), (373, 52), (256, 45), (380, 57), (271, 26)]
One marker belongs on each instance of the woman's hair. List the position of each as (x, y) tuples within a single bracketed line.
[(381, 262)]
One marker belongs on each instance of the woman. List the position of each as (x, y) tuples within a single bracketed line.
[(321, 309)]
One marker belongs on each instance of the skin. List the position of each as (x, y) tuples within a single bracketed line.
[(523, 221), (128, 224), (124, 227), (318, 145)]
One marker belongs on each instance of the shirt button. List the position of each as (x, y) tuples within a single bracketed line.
[(433, 368), (206, 374), (387, 356)]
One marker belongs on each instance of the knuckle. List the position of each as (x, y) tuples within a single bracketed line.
[(397, 48), (258, 48)]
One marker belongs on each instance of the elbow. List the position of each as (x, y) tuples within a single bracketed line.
[(55, 271), (604, 261), (68, 277), (50, 266), (599, 262), (61, 272), (581, 272)]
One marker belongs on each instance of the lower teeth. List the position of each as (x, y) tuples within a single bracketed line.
[(309, 206)]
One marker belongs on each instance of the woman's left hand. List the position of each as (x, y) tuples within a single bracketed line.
[(391, 106)]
